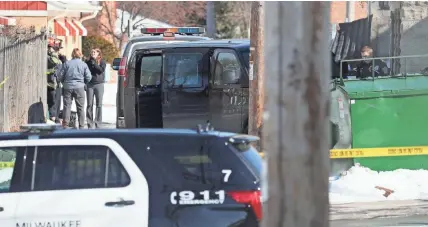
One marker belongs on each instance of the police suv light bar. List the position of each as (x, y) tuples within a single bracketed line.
[(181, 30), (36, 128)]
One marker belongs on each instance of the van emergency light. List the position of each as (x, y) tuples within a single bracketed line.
[(183, 30)]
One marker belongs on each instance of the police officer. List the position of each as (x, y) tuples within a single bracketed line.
[(368, 68), (53, 63)]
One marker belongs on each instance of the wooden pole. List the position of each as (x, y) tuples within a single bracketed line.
[(256, 94), (296, 126)]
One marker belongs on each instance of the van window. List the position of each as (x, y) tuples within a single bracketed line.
[(183, 69), (227, 69), (151, 68), (7, 164), (77, 167)]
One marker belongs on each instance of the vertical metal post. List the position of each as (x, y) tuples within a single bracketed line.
[(348, 11), (296, 131), (369, 12), (369, 8), (405, 67), (210, 19)]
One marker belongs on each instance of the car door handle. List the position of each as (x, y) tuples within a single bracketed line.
[(120, 203), (1, 209)]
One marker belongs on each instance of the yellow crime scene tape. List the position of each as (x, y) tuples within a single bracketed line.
[(378, 152), (334, 153), (7, 165), (375, 152)]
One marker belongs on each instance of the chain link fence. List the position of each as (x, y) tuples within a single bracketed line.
[(23, 65)]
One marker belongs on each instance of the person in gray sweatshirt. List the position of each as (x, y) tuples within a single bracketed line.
[(74, 76)]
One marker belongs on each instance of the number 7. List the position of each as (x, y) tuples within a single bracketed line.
[(226, 173)]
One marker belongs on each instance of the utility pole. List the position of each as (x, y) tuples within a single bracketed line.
[(296, 130), (256, 74), (210, 20)]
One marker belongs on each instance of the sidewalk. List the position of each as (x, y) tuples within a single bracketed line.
[(109, 103), (378, 209)]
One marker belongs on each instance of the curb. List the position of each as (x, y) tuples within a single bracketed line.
[(392, 208)]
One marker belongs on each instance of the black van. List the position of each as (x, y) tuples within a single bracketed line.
[(179, 85), (150, 36)]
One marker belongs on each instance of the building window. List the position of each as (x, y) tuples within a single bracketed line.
[(384, 5)]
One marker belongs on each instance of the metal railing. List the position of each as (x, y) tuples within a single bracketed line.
[(405, 60)]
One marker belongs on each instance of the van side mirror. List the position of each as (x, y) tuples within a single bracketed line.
[(116, 63), (230, 76)]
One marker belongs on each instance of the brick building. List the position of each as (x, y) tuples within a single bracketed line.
[(61, 18), (338, 11), (358, 10)]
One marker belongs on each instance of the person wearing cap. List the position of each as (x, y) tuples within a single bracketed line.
[(53, 63)]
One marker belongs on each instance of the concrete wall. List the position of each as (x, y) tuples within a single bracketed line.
[(381, 31), (414, 35), (414, 38)]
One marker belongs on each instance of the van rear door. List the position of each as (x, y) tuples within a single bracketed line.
[(185, 100), (148, 89)]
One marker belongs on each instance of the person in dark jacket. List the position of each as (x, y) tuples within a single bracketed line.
[(95, 88), (58, 91), (74, 76), (53, 63), (366, 68), (335, 68)]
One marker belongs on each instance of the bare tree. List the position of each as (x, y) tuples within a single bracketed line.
[(183, 13), (231, 16), (138, 11), (241, 16), (174, 13)]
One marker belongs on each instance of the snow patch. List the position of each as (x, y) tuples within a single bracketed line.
[(358, 185), (5, 174)]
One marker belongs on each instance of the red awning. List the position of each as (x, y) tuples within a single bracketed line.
[(60, 29), (81, 28), (74, 31), (6, 21)]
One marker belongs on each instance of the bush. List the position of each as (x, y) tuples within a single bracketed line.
[(107, 48)]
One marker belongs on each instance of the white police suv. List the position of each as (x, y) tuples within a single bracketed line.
[(52, 177)]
